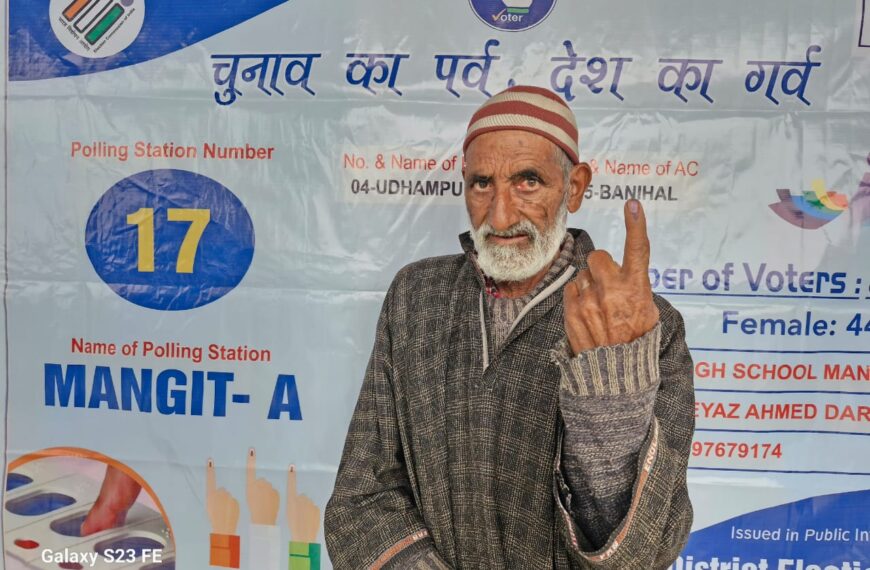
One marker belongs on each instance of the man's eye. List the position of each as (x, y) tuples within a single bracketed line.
[(530, 182), (480, 184)]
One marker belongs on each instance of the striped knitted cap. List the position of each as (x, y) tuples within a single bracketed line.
[(526, 108)]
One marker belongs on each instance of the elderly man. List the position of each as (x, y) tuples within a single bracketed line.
[(528, 403)]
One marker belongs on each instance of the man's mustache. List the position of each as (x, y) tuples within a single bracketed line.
[(521, 228)]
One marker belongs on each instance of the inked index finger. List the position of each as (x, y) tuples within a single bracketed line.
[(210, 481), (251, 467), (635, 258), (291, 483)]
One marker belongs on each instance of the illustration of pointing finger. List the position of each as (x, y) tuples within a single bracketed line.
[(223, 513), (263, 498), (264, 551), (303, 516)]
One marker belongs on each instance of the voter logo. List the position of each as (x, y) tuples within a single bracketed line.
[(96, 28), (819, 206), (512, 15)]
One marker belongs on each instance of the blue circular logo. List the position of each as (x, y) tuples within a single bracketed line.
[(512, 15), (170, 239)]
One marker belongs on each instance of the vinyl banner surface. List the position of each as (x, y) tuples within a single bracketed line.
[(205, 203)]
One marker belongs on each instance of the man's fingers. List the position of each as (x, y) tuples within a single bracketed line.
[(583, 281), (584, 322), (582, 332), (574, 289), (579, 337), (636, 256), (594, 321), (251, 468), (210, 481), (601, 265)]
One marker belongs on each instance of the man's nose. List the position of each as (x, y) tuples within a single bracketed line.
[(502, 212)]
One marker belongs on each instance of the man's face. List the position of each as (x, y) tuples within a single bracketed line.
[(517, 202)]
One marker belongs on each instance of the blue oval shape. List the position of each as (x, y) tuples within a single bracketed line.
[(15, 480), (39, 504), (190, 266)]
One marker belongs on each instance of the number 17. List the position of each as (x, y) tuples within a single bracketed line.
[(143, 219)]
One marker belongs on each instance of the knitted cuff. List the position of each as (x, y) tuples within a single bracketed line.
[(224, 550), (610, 370)]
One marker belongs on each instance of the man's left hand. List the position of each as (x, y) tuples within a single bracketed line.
[(610, 304)]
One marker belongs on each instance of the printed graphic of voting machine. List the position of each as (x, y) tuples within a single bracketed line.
[(46, 502)]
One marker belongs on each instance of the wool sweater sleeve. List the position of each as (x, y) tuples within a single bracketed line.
[(620, 471), (371, 520)]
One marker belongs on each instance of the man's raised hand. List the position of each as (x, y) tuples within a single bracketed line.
[(610, 304)]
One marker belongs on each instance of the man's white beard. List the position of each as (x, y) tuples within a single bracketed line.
[(512, 263)]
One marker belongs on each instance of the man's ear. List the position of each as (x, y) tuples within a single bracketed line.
[(581, 175)]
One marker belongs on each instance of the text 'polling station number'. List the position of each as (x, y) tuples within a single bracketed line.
[(170, 239)]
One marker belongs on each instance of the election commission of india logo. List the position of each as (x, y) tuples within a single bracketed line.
[(512, 15), (818, 206), (96, 28)]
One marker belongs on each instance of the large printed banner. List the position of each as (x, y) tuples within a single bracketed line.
[(206, 201)]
